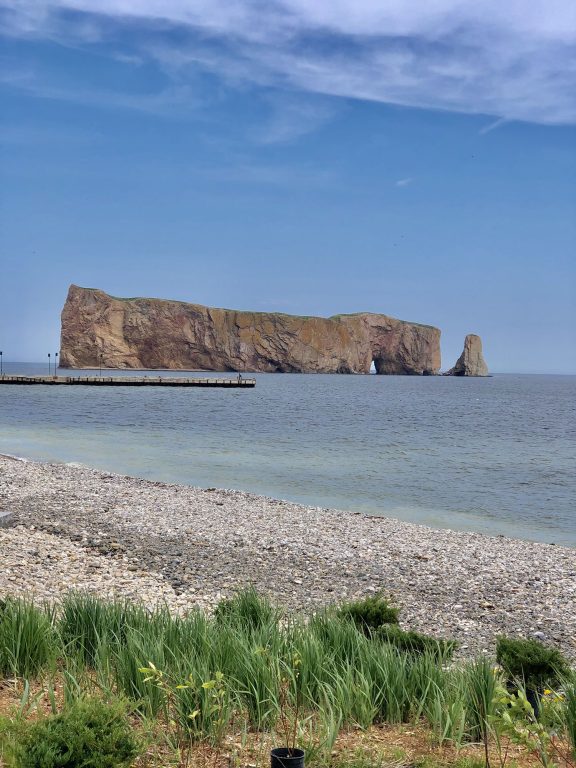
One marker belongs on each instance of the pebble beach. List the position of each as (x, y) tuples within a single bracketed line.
[(67, 527)]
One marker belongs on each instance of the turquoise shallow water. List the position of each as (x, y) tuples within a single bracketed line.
[(495, 455)]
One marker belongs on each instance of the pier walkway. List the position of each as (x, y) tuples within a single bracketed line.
[(129, 381)]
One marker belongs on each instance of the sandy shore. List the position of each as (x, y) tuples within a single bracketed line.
[(73, 527)]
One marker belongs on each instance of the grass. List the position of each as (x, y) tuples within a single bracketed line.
[(246, 673), (28, 643)]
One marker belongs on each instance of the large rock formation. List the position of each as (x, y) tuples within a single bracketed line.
[(154, 333), (471, 362)]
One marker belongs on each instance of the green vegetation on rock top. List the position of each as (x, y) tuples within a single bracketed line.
[(254, 312)]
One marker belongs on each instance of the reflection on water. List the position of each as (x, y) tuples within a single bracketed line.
[(494, 455)]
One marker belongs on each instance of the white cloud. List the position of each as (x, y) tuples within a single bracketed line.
[(513, 60), (404, 182)]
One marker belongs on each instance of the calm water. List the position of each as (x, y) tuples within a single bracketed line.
[(495, 455)]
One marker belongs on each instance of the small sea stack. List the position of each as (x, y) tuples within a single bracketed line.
[(471, 362)]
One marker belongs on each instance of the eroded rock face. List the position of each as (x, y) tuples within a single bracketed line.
[(471, 362), (155, 333)]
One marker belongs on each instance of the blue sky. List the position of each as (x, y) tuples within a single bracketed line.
[(311, 157)]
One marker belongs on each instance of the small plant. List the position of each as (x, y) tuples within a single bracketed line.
[(89, 734), (514, 717), (570, 715), (369, 614), (415, 642), (196, 710), (289, 715), (531, 662), (286, 699)]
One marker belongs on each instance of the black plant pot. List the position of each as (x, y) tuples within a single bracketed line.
[(534, 699), (282, 757)]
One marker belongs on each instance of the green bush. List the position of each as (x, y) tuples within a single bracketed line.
[(89, 734), (369, 614), (6, 738), (416, 643), (531, 662)]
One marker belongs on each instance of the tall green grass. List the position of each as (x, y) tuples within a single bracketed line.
[(325, 666), (28, 642)]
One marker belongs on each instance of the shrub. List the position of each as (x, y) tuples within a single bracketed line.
[(369, 614), (6, 738), (89, 734), (531, 662), (416, 643)]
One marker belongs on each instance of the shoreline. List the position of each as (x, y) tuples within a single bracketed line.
[(72, 527)]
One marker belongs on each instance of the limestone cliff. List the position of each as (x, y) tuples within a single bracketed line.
[(471, 362), (155, 333)]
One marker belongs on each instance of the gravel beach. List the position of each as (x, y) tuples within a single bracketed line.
[(70, 527)]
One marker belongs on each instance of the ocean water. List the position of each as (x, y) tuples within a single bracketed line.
[(496, 455)]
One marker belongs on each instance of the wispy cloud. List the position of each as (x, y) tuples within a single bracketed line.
[(493, 126), (128, 58), (292, 116), (172, 101), (511, 60), (404, 182)]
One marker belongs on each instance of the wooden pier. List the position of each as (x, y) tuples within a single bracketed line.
[(129, 381)]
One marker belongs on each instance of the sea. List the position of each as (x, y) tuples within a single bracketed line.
[(495, 455)]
